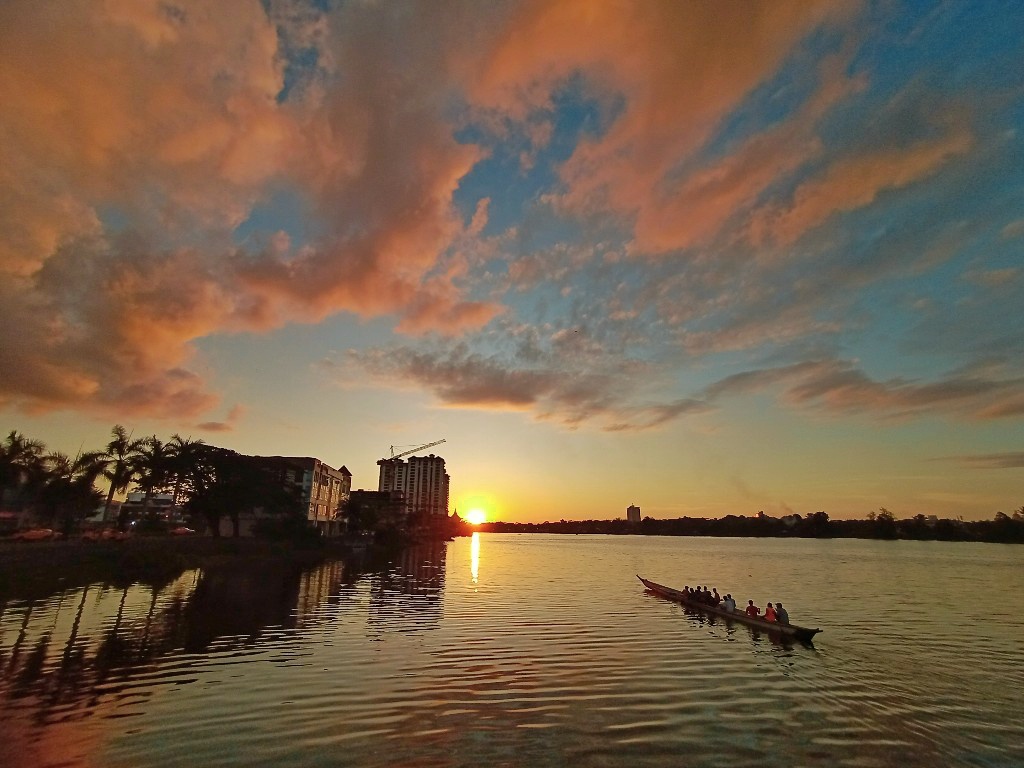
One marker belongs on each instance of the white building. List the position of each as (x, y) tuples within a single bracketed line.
[(422, 480), (321, 488)]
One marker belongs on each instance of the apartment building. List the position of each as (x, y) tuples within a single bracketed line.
[(160, 506), (321, 488)]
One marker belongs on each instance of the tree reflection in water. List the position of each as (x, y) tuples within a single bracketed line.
[(72, 657), (64, 656)]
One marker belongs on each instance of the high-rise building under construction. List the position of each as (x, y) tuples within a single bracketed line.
[(423, 482)]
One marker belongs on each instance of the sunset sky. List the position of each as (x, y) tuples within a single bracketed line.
[(704, 257)]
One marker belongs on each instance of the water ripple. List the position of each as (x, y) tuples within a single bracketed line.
[(514, 662)]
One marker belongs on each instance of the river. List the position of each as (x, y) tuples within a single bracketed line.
[(530, 650)]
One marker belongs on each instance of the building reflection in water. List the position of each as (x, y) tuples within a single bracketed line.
[(405, 594)]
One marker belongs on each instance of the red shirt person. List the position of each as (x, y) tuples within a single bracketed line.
[(752, 610)]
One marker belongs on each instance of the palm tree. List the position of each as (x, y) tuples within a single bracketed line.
[(67, 489), (183, 454), (120, 468), (152, 465), (20, 458)]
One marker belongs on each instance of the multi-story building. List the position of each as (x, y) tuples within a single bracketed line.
[(633, 513), (160, 506), (321, 488), (423, 482), (377, 510)]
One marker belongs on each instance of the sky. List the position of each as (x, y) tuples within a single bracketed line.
[(708, 258)]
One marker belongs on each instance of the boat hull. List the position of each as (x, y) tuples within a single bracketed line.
[(804, 634)]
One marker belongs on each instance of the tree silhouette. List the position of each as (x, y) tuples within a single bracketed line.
[(224, 483), (182, 453), (21, 465), (68, 490), (152, 468), (121, 456)]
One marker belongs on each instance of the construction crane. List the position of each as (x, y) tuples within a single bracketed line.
[(414, 450)]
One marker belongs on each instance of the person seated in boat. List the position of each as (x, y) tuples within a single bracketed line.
[(781, 614), (752, 610), (716, 599), (729, 604), (769, 613), (708, 600)]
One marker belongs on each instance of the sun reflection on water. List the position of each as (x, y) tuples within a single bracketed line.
[(474, 556)]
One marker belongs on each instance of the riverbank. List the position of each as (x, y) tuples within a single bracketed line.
[(40, 568)]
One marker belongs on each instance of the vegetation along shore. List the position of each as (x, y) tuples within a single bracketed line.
[(1003, 528)]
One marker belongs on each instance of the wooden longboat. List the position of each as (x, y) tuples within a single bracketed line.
[(790, 630)]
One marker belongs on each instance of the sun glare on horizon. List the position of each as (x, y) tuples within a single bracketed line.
[(476, 516)]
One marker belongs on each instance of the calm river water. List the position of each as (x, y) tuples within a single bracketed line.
[(531, 650)]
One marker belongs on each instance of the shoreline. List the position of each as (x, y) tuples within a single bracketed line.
[(1004, 530), (31, 570)]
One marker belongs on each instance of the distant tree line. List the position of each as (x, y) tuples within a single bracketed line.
[(209, 482), (877, 525)]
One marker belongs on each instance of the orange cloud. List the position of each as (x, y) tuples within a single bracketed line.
[(695, 209), (167, 112), (856, 181), (994, 278), (103, 326), (1013, 229), (680, 68), (168, 115)]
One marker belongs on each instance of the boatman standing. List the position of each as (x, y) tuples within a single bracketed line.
[(781, 614)]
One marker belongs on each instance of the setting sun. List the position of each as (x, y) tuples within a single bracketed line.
[(476, 516)]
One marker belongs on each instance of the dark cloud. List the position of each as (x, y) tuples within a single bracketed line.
[(229, 423), (840, 387), (553, 385), (1012, 460)]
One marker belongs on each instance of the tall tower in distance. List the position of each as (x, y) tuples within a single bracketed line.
[(633, 513), (423, 482)]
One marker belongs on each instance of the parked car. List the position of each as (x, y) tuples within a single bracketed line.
[(105, 534), (182, 531), (38, 534)]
